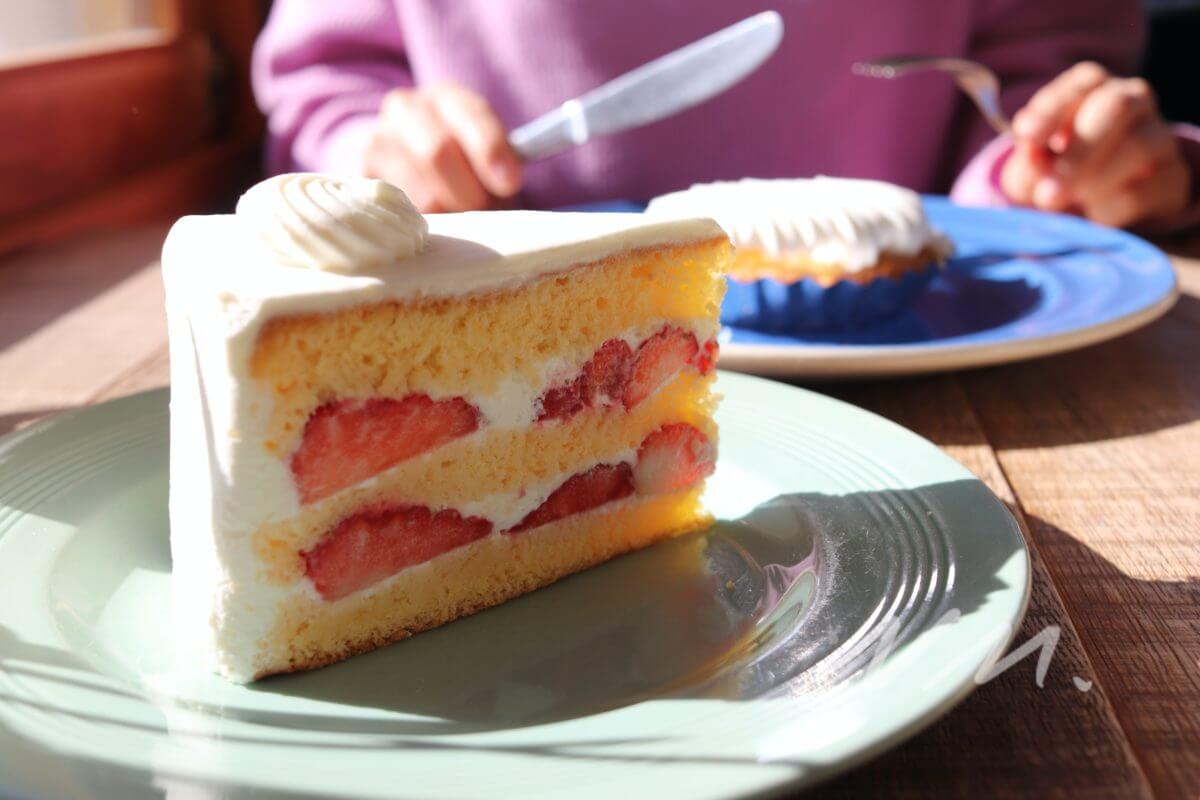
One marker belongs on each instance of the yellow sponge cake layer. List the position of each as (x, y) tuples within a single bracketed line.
[(490, 463), (311, 632), (468, 346)]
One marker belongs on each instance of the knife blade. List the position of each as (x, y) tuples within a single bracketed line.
[(658, 89)]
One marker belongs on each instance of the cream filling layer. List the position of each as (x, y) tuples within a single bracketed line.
[(504, 510)]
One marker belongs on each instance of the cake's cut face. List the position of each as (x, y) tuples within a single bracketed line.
[(361, 451), (825, 229)]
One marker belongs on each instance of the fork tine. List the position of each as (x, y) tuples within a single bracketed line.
[(979, 82)]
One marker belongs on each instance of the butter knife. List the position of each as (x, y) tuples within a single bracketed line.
[(655, 90)]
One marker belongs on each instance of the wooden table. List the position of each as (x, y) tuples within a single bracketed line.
[(1097, 452)]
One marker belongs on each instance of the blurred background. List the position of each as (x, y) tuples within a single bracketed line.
[(126, 111), (122, 111)]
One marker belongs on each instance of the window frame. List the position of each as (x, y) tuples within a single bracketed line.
[(129, 127)]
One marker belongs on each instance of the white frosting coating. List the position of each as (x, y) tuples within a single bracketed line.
[(343, 224), (827, 220), (222, 286)]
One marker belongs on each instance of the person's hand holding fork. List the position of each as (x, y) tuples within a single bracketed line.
[(1096, 144)]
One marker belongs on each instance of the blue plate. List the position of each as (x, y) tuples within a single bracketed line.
[(1022, 284)]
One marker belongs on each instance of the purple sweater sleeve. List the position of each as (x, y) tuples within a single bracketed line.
[(1028, 42), (320, 79)]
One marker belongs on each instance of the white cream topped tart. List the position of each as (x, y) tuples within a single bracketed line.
[(382, 421), (827, 226)]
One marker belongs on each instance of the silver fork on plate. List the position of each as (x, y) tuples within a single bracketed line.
[(979, 82)]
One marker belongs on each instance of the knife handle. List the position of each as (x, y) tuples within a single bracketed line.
[(558, 130)]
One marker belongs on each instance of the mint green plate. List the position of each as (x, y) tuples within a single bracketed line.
[(857, 582)]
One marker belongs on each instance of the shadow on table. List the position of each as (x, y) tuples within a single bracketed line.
[(1143, 382), (69, 274), (1014, 739)]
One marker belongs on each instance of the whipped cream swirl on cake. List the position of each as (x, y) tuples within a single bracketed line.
[(336, 224), (840, 221)]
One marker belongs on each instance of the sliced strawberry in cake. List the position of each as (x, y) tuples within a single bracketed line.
[(658, 359), (616, 375), (673, 457), (706, 359), (562, 402), (372, 545), (606, 375), (348, 441), (601, 484)]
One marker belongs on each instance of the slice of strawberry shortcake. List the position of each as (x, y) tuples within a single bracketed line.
[(381, 422)]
